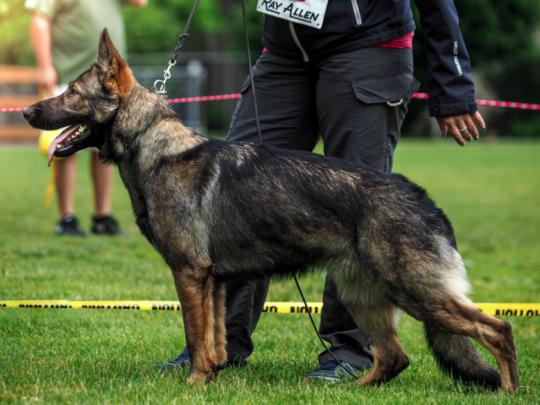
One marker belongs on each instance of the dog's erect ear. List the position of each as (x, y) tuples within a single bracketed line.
[(108, 56), (117, 75)]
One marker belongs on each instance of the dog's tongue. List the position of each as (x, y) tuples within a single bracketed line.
[(60, 138)]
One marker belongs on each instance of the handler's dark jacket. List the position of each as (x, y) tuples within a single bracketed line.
[(353, 24)]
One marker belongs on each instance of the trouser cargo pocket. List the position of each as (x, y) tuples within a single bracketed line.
[(393, 91)]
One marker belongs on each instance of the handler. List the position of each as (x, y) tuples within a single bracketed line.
[(343, 70)]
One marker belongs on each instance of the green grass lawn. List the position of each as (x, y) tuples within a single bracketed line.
[(491, 192)]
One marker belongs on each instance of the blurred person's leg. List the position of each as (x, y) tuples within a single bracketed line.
[(66, 175), (102, 177)]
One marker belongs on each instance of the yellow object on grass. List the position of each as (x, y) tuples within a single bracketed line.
[(44, 141)]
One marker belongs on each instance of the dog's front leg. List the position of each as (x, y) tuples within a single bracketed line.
[(195, 289), (220, 334)]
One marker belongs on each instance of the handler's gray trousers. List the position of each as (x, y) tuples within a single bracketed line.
[(357, 102)]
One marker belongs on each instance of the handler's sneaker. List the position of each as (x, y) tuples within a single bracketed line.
[(332, 372), (69, 225), (105, 225), (182, 360)]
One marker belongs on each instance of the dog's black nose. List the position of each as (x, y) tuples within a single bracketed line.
[(29, 112)]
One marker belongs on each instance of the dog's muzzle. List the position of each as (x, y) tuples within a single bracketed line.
[(30, 112)]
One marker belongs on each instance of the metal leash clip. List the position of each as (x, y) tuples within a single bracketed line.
[(160, 84)]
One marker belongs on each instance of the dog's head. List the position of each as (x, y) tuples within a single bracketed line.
[(89, 105)]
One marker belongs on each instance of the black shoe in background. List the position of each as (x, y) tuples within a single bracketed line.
[(184, 360), (332, 372), (180, 361), (69, 225), (105, 225)]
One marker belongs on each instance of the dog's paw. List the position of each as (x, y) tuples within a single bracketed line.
[(221, 359), (198, 377)]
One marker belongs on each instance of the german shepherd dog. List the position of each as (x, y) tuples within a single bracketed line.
[(216, 210)]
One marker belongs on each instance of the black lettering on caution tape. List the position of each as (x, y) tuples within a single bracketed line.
[(46, 306), (302, 309), (125, 306), (270, 308), (517, 312), (166, 307)]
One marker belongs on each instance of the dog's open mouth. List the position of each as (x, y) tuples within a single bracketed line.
[(71, 140)]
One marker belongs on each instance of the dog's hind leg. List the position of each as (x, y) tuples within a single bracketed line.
[(465, 318), (220, 334), (377, 321), (434, 290), (195, 289)]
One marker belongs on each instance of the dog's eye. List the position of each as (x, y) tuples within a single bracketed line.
[(71, 92)]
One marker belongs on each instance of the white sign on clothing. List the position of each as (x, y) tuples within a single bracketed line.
[(306, 12)]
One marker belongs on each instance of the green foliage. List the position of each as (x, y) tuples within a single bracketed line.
[(254, 26), (156, 27), (504, 42), (15, 48), (495, 31), (517, 80)]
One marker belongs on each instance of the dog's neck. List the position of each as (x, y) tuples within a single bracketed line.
[(146, 130)]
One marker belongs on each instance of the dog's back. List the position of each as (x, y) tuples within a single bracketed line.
[(294, 207)]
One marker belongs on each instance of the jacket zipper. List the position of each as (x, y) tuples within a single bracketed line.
[(357, 14), (297, 42)]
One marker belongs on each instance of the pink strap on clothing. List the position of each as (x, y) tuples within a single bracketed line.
[(404, 42)]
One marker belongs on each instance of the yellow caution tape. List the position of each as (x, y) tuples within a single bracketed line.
[(496, 309)]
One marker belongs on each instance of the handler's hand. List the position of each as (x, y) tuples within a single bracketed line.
[(48, 79), (462, 127)]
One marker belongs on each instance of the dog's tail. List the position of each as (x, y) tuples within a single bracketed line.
[(456, 355)]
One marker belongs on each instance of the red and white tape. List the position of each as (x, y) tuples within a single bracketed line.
[(12, 109), (199, 99), (491, 103), (235, 96)]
